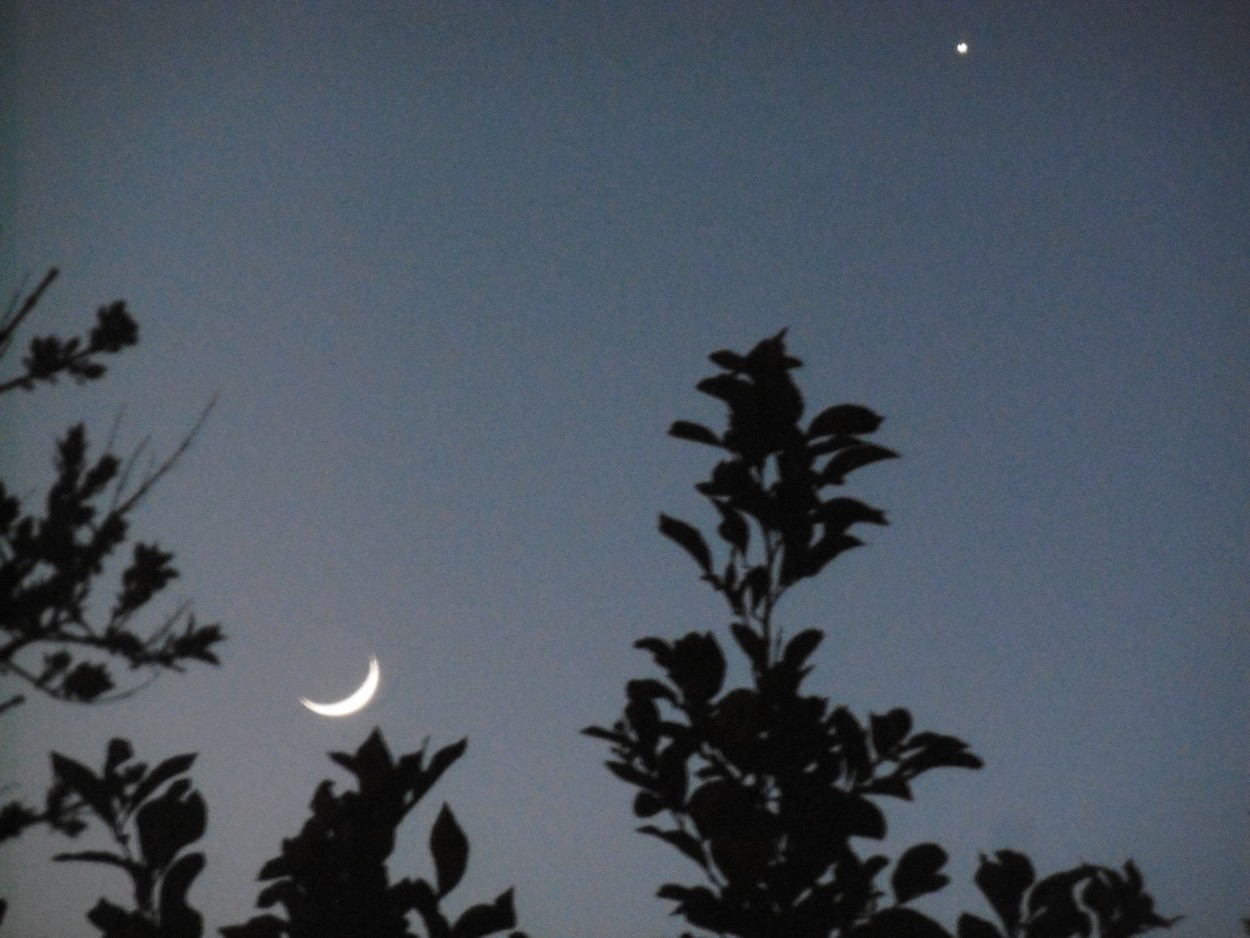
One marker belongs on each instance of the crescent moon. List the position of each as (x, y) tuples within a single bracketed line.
[(352, 703)]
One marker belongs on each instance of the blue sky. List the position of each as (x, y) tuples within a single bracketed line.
[(455, 268)]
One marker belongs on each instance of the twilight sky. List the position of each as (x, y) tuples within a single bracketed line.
[(454, 268)]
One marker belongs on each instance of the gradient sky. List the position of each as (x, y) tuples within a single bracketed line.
[(455, 268)]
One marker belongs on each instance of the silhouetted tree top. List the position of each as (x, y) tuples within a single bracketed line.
[(770, 790), (51, 559)]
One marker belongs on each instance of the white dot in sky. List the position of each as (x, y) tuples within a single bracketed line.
[(962, 48)]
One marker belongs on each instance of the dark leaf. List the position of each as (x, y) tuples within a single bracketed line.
[(442, 761), (864, 819), (751, 643), (848, 419), (730, 361), (178, 919), (853, 743), (86, 682), (696, 433), (275, 868), (420, 895), (600, 733), (168, 824), (450, 849), (171, 767), (82, 780), (838, 514), (697, 666), (916, 872), (889, 729), (758, 582), (846, 461), (647, 805), (799, 647), (1004, 880), (648, 689), (689, 539), (115, 922), (94, 856), (733, 528), (119, 751), (481, 920), (733, 391)]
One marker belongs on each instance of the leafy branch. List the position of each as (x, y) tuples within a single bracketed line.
[(50, 560), (767, 788), (332, 879)]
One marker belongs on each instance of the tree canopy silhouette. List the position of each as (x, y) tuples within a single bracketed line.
[(767, 789), (50, 562), (771, 791)]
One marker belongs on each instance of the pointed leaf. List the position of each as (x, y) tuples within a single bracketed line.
[(168, 824), (800, 647), (916, 872), (450, 849), (889, 730), (733, 528), (94, 856), (171, 767), (696, 433), (83, 781), (1003, 880), (688, 538), (119, 751), (848, 419), (751, 643), (442, 761), (733, 391), (178, 919), (846, 461), (647, 805), (730, 361), (482, 920), (599, 732)]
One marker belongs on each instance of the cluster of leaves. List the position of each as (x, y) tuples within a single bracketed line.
[(151, 816), (50, 561), (774, 480), (766, 787), (1073, 902), (50, 356), (332, 878)]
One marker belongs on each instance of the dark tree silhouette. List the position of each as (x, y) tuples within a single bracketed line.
[(766, 788), (151, 816), (332, 878), (51, 562)]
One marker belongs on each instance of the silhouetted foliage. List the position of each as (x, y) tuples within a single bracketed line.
[(332, 880), (768, 789), (50, 561), (151, 816), (764, 787)]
